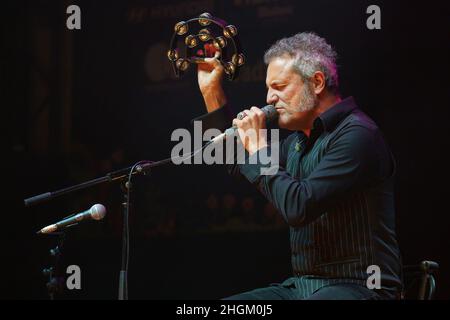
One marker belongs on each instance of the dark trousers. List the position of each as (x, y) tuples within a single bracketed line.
[(342, 291)]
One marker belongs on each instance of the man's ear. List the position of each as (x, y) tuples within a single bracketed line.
[(318, 82)]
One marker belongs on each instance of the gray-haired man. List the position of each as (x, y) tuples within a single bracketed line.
[(335, 184)]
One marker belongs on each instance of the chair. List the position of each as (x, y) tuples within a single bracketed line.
[(419, 281)]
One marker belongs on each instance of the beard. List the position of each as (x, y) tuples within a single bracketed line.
[(308, 100), (296, 118)]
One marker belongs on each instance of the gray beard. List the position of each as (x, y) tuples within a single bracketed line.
[(308, 99)]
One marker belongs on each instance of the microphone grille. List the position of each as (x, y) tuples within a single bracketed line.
[(271, 113), (98, 211)]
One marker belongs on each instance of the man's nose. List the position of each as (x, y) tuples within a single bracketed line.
[(271, 98)]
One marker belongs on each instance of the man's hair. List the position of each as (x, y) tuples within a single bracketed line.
[(311, 53)]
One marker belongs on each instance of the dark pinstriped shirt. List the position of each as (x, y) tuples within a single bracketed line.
[(335, 190)]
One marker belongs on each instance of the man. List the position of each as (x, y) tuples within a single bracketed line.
[(334, 187)]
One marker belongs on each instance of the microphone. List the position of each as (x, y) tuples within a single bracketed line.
[(271, 115), (96, 212)]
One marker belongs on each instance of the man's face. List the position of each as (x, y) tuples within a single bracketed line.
[(293, 98)]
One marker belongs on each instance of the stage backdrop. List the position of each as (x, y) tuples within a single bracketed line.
[(82, 103)]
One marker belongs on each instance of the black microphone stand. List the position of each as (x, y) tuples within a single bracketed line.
[(143, 168), (55, 280), (123, 276)]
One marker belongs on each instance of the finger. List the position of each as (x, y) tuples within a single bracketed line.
[(214, 61), (239, 120), (241, 115), (210, 63), (258, 112), (211, 51), (210, 66), (236, 123), (250, 114)]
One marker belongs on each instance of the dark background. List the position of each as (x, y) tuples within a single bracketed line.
[(78, 104)]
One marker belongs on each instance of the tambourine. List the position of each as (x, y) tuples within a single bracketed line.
[(201, 37)]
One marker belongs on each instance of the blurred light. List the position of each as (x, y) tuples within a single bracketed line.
[(230, 31), (181, 28)]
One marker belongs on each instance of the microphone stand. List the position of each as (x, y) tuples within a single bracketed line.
[(110, 177), (123, 276), (142, 167), (55, 281)]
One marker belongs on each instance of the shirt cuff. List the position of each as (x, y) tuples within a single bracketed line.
[(253, 168)]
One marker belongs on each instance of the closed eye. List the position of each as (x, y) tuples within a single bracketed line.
[(278, 86)]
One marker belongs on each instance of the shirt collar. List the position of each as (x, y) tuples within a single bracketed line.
[(330, 118)]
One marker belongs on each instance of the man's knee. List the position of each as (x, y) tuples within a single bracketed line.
[(273, 292), (344, 292)]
